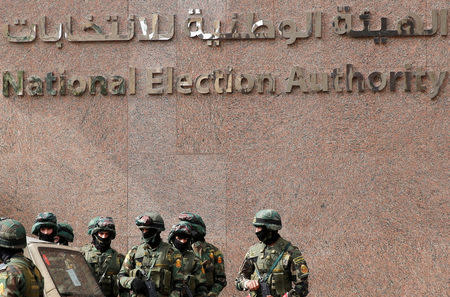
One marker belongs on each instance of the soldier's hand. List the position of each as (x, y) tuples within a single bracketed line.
[(138, 286), (252, 285)]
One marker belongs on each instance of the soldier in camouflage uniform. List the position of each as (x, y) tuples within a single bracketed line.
[(45, 227), (289, 277), (18, 275), (211, 257), (105, 262), (152, 260), (180, 237), (64, 235)]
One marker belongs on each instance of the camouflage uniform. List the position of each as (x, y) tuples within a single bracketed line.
[(211, 257), (290, 275), (18, 276), (104, 265), (160, 264), (192, 269)]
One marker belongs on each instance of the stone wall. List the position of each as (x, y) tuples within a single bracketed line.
[(360, 178)]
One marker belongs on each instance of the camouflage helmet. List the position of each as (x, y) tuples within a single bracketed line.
[(65, 231), (92, 224), (269, 218), (44, 219), (184, 228), (98, 224), (12, 234), (150, 220), (195, 220)]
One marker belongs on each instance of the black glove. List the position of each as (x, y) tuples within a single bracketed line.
[(138, 286)]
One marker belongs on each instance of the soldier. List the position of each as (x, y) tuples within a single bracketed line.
[(45, 226), (153, 265), (18, 275), (105, 262), (272, 267), (65, 234), (180, 237), (211, 257)]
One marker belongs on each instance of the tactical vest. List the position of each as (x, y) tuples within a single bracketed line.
[(105, 266), (156, 263), (188, 266), (263, 258), (34, 284)]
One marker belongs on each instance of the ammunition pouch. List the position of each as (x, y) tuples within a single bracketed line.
[(280, 283)]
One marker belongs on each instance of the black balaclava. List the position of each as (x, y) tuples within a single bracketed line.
[(152, 237), (47, 237), (267, 236), (182, 247), (62, 241), (7, 253), (101, 244)]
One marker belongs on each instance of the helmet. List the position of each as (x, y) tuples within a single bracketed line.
[(268, 218), (12, 234), (65, 231), (150, 220), (98, 224), (195, 220), (184, 228), (92, 224), (44, 219)]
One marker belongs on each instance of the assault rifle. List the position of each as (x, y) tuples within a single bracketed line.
[(186, 287), (151, 288)]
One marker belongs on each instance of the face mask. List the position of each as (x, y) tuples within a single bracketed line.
[(62, 241), (262, 235), (180, 245), (102, 244), (47, 237), (267, 236), (151, 237)]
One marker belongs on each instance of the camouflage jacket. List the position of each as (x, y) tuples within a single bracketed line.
[(19, 277), (105, 267), (290, 275), (193, 274), (213, 264), (162, 265)]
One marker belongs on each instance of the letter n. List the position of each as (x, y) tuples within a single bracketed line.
[(8, 81)]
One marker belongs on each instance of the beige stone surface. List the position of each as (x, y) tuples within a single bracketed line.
[(360, 179)]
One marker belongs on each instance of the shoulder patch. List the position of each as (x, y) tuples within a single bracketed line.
[(304, 269), (220, 260), (178, 263), (298, 259)]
